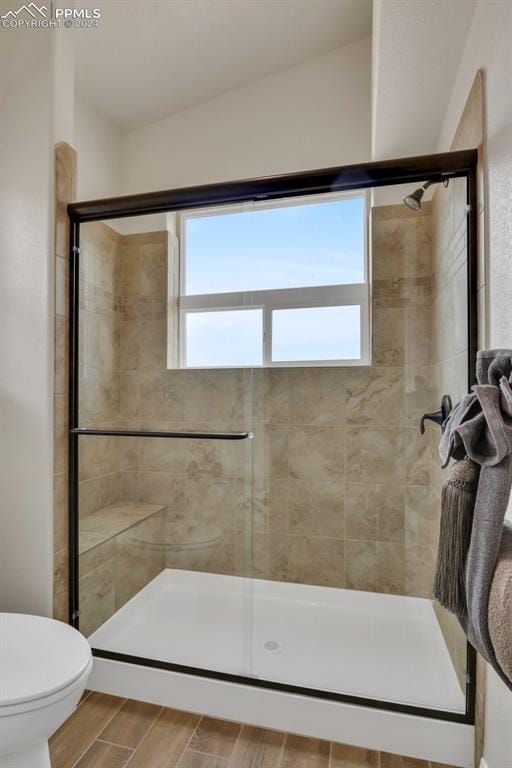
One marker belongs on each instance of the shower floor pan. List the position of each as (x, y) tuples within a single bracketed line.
[(368, 645)]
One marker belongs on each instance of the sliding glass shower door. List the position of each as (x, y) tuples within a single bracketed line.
[(255, 499)]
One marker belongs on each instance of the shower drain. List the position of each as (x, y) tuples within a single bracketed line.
[(273, 645)]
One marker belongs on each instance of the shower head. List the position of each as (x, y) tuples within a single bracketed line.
[(413, 201)]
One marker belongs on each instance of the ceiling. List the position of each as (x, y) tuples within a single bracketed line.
[(417, 48), (153, 58)]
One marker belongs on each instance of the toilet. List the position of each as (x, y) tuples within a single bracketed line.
[(44, 666)]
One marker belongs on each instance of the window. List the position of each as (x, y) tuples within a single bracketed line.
[(276, 283)]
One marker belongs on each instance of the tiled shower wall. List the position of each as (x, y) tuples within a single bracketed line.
[(449, 342), (449, 355), (341, 474)]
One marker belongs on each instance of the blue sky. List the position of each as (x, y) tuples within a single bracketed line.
[(290, 247)]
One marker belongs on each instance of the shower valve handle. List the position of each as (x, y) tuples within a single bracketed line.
[(439, 416)]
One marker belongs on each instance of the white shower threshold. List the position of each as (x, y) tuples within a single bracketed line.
[(368, 645)]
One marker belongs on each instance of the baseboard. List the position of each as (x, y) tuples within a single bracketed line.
[(422, 738)]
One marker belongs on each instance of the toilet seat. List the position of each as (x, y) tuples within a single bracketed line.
[(41, 661)]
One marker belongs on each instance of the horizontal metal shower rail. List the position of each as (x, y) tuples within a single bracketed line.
[(149, 433)]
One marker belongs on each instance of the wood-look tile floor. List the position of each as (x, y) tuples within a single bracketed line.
[(109, 732)]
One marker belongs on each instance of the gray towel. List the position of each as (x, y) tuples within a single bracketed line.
[(500, 605), (480, 426)]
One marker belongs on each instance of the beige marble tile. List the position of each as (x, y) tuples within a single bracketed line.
[(153, 344), (97, 597), (116, 518), (388, 340), (60, 571), (129, 395), (418, 334), (99, 455), (99, 396), (419, 257), (163, 488), (271, 396), (60, 511), (315, 560), (315, 508), (391, 568), (361, 513), (93, 556), (61, 371), (271, 450), (60, 609), (61, 286), (390, 245), (195, 457), (317, 396), (139, 557), (375, 396), (164, 395), (270, 504), (419, 573), (419, 397), (418, 503), (419, 458), (99, 492), (215, 501), (215, 396), (361, 566), (60, 444), (375, 454), (65, 176), (187, 549), (390, 504), (143, 269), (129, 345), (316, 453)]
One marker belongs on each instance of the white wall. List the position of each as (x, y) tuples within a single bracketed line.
[(98, 144), (314, 115), (26, 330), (489, 46)]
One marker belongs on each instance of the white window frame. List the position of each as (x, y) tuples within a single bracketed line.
[(355, 294)]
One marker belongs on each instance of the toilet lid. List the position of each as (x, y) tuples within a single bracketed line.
[(38, 657)]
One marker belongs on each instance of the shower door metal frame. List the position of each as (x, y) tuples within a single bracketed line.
[(436, 167)]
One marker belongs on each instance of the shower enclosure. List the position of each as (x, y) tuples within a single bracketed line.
[(251, 499)]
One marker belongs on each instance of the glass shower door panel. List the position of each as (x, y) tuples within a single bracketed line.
[(163, 529), (347, 491)]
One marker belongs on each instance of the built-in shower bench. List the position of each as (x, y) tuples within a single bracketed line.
[(121, 550), (113, 520)]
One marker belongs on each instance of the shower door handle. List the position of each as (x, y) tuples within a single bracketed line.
[(439, 416)]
